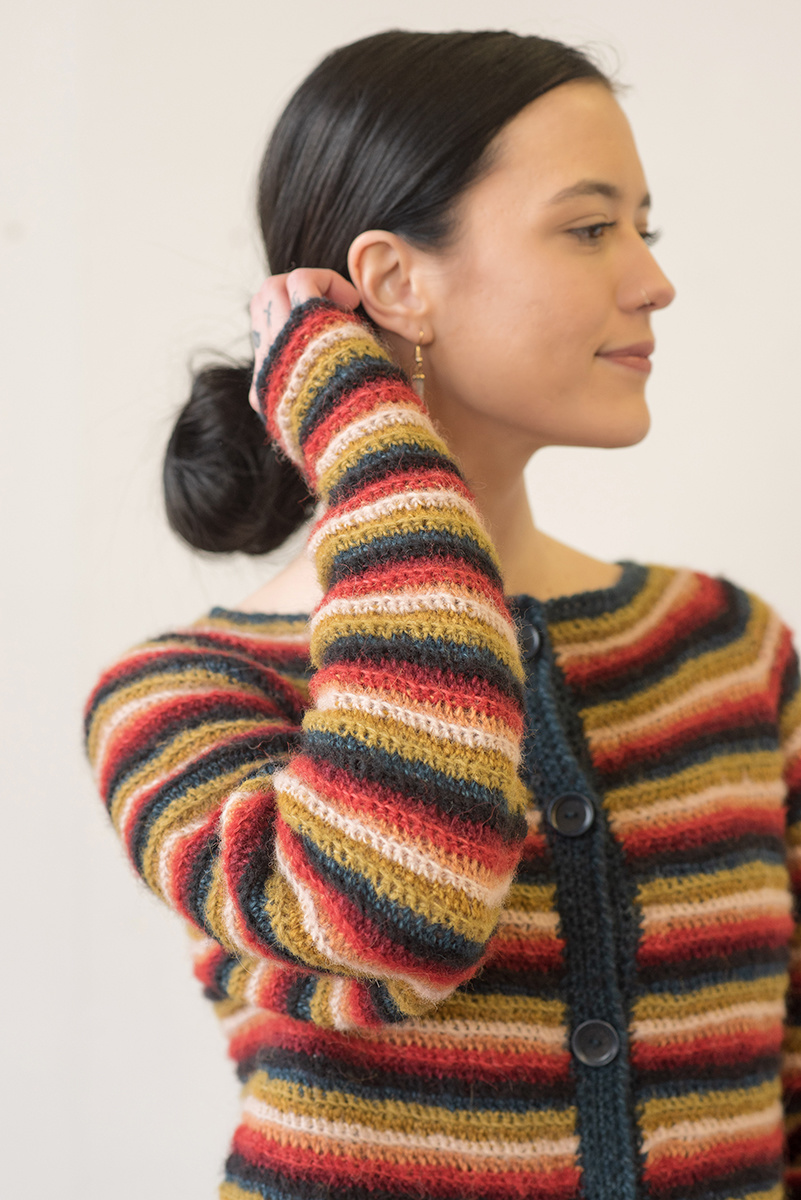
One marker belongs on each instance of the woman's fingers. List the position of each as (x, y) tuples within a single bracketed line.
[(275, 299)]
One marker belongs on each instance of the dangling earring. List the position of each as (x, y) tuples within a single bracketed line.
[(419, 377)]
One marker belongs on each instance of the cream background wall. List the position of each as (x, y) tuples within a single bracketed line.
[(130, 138)]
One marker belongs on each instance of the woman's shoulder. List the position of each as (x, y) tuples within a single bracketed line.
[(292, 592)]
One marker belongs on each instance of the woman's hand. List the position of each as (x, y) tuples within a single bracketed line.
[(278, 295)]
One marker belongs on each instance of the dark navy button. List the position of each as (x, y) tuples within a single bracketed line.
[(595, 1043), (571, 814), (530, 641)]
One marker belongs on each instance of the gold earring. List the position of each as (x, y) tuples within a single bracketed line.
[(419, 377)]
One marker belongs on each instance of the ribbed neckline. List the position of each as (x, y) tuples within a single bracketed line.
[(592, 603)]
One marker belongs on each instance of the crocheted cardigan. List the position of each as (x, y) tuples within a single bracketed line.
[(494, 897)]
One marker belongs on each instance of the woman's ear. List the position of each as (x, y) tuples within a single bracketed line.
[(388, 275)]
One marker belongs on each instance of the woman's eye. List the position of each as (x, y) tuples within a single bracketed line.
[(594, 233)]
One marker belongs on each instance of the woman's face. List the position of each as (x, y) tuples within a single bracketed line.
[(550, 271)]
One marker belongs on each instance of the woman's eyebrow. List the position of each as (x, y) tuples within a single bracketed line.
[(594, 187)]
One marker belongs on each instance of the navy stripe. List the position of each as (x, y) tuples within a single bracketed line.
[(464, 660), (425, 939), (399, 457), (352, 373), (462, 799)]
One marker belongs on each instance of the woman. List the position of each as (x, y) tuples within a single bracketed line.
[(485, 843)]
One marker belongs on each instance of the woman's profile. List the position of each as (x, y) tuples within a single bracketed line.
[(487, 846)]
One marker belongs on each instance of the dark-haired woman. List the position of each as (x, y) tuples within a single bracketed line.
[(487, 846)]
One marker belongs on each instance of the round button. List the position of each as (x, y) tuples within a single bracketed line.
[(595, 1043), (571, 814), (530, 641)]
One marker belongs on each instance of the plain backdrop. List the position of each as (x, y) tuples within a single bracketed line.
[(130, 139)]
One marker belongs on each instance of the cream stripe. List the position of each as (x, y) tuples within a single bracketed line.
[(520, 921), (387, 506), (765, 897), (315, 930), (712, 1127), (256, 979), (404, 855), (749, 1010), (408, 603), (791, 1062), (294, 386), (692, 698), (355, 1133), (748, 792), (680, 583), (170, 844), (332, 698), (549, 1035), (380, 418), (336, 997), (153, 783)]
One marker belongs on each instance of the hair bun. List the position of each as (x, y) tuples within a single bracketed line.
[(226, 488)]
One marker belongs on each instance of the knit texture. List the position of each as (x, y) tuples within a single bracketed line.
[(398, 939)]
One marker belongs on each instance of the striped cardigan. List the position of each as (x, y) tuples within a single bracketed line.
[(493, 896)]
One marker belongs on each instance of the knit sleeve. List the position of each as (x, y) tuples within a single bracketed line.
[(790, 732), (375, 850)]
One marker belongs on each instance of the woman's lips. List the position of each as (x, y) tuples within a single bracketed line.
[(635, 362)]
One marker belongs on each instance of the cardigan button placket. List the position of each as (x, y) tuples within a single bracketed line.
[(560, 773)]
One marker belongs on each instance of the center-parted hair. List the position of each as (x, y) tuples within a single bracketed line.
[(386, 133)]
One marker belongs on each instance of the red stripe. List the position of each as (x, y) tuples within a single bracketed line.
[(364, 939), (419, 819), (683, 1168), (666, 834), (704, 602), (708, 1049), (352, 1166), (359, 403), (723, 715), (421, 685), (721, 938)]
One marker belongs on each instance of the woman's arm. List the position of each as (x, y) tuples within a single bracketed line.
[(382, 850)]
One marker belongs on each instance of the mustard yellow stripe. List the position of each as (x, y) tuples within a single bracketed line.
[(180, 749), (664, 1006), (526, 1010), (459, 630), (674, 688), (683, 889), (195, 803), (590, 629), (718, 1103), (374, 441), (433, 899), (231, 1191), (531, 897), (762, 766), (262, 627), (427, 519), (477, 1124), (170, 683), (489, 768), (327, 361)]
